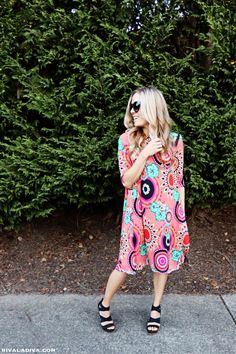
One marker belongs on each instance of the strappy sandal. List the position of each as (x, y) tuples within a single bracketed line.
[(107, 327), (154, 322)]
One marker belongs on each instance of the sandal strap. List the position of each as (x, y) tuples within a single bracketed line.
[(154, 322), (108, 326), (102, 307), (151, 319), (105, 319), (156, 308)]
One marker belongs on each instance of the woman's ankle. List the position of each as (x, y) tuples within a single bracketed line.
[(156, 303), (106, 302)]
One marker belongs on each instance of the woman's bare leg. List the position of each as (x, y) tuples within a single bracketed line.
[(115, 280), (159, 282)]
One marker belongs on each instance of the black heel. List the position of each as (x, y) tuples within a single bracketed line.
[(107, 327), (154, 322)]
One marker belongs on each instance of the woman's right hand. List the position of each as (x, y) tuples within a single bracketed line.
[(154, 146)]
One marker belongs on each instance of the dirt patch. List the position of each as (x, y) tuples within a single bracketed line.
[(74, 252)]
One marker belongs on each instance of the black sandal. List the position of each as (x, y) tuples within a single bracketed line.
[(106, 327), (154, 322)]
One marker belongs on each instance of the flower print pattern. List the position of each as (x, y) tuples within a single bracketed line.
[(159, 210), (128, 214), (120, 144), (143, 250), (134, 193), (176, 254), (176, 195), (152, 170)]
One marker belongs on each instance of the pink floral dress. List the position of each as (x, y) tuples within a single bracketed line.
[(154, 230)]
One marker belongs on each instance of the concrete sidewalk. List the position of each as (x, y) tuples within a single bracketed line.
[(70, 324)]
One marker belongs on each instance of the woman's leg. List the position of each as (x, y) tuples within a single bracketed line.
[(159, 282), (115, 280)]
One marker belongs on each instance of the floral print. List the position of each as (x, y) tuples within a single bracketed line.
[(154, 231), (152, 170)]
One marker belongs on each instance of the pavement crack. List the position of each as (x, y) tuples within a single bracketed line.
[(36, 335), (222, 299), (28, 316)]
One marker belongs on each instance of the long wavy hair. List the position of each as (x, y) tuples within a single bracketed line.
[(154, 110)]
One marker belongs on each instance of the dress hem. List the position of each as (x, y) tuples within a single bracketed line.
[(153, 270)]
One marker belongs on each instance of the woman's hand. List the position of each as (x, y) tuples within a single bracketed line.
[(154, 146)]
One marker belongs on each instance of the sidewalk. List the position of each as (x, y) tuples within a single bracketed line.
[(69, 324)]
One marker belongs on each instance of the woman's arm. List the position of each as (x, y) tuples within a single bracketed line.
[(130, 172), (133, 173)]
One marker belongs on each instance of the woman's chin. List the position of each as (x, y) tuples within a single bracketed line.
[(137, 124)]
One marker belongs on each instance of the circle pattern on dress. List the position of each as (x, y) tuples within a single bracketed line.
[(171, 180), (160, 260), (138, 207), (186, 239), (147, 189), (156, 158), (134, 240), (135, 237), (147, 234), (151, 234), (150, 191), (167, 238), (166, 242), (179, 212), (168, 216), (132, 263), (182, 231)]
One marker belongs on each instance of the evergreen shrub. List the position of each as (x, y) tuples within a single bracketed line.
[(66, 72)]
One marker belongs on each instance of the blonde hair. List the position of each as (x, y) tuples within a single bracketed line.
[(154, 110)]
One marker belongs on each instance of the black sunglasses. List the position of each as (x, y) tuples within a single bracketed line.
[(135, 106)]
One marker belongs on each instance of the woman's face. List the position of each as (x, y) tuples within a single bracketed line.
[(135, 111)]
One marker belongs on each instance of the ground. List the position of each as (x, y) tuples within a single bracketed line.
[(74, 252)]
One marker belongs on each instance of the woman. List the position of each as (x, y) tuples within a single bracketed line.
[(154, 230)]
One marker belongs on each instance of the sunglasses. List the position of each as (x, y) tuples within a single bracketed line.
[(135, 106)]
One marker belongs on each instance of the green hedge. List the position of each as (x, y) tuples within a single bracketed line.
[(67, 71)]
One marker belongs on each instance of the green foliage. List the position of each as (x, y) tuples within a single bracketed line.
[(66, 76)]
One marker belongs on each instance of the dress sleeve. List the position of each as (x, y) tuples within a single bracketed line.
[(124, 159), (180, 157)]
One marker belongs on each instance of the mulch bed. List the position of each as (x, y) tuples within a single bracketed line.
[(74, 252)]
